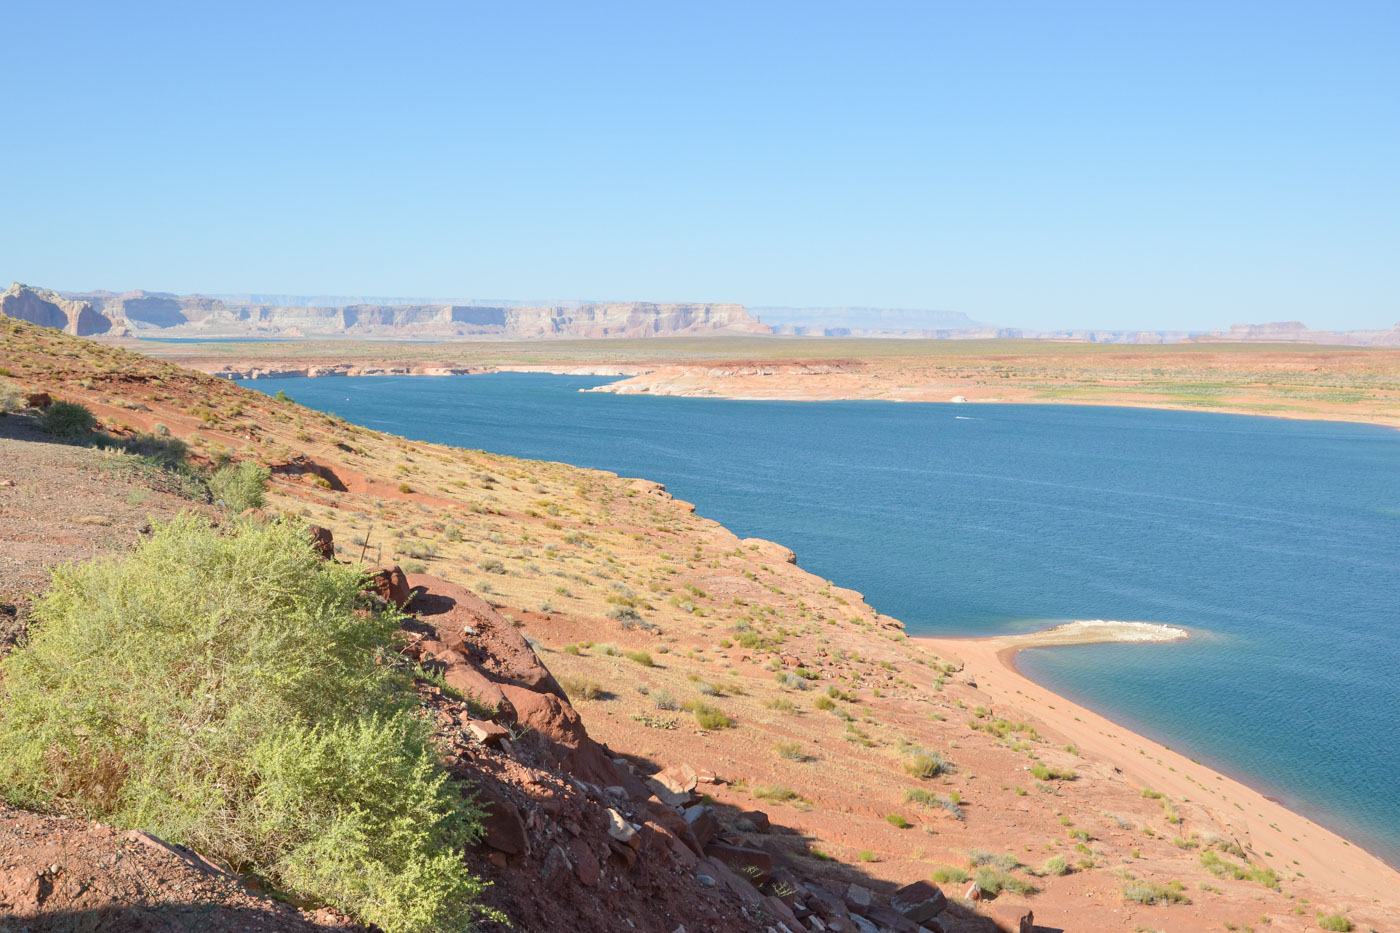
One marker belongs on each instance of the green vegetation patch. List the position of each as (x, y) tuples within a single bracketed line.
[(223, 692)]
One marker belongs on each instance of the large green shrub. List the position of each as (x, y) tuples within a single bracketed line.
[(11, 398), (222, 691), (68, 421), (240, 485)]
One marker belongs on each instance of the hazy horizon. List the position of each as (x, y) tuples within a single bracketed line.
[(1087, 165)]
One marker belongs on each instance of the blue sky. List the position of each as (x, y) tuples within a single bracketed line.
[(1128, 164)]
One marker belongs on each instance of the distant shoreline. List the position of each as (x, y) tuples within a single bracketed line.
[(632, 381), (1293, 841)]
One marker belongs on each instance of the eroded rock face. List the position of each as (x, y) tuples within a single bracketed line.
[(49, 309)]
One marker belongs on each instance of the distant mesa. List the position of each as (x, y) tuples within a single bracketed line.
[(152, 314), (160, 314), (49, 309)]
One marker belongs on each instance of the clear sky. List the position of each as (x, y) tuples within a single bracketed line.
[(1038, 164)]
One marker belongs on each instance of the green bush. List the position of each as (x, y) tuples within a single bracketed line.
[(1149, 892), (11, 398), (240, 486), (222, 691), (992, 881), (1055, 865), (926, 764), (1336, 922), (707, 716), (67, 421)]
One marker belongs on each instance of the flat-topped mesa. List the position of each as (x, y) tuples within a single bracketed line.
[(141, 313)]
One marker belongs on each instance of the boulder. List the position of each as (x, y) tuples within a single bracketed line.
[(504, 830), (38, 400), (919, 901), (473, 685), (618, 827), (887, 918), (858, 899), (392, 586), (753, 864), (678, 779), (758, 820), (701, 820), (322, 541), (487, 732)]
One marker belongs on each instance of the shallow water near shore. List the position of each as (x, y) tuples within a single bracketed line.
[(1276, 543)]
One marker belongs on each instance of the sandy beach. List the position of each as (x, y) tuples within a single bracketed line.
[(1273, 835)]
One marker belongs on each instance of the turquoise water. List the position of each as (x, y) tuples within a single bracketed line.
[(1276, 542)]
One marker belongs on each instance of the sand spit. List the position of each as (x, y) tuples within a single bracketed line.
[(1094, 632), (1263, 825)]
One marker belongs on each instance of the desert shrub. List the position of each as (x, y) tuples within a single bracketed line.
[(824, 703), (992, 881), (1043, 773), (239, 485), (897, 821), (1149, 892), (777, 793), (1003, 862), (1222, 867), (1336, 922), (67, 421), (949, 875), (581, 688), (921, 763), (222, 691), (707, 716), (11, 398), (641, 657), (664, 700), (792, 751), (1055, 865), (491, 565)]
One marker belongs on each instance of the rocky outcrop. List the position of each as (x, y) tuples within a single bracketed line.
[(49, 309)]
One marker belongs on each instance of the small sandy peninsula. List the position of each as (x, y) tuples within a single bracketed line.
[(1286, 841)]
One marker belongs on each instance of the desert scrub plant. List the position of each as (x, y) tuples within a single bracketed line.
[(1222, 867), (581, 688), (11, 398), (777, 793), (641, 657), (948, 874), (1055, 865), (229, 692), (239, 486), (921, 763), (991, 881), (67, 421), (1149, 892), (1043, 773), (1336, 922), (707, 716)]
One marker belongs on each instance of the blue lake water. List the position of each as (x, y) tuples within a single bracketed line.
[(1276, 542)]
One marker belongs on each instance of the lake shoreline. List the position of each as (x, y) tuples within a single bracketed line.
[(1292, 841), (1296, 381)]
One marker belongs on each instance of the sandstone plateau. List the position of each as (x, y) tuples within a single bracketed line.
[(140, 313)]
